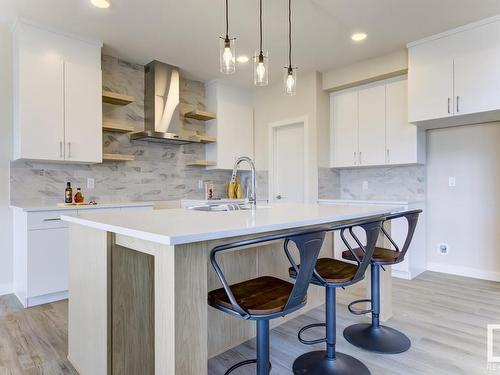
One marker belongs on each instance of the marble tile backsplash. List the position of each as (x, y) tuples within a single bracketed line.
[(160, 171), (398, 183)]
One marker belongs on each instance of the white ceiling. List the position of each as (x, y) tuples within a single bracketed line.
[(185, 32)]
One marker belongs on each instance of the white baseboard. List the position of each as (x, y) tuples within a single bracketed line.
[(47, 298), (464, 271), (401, 274), (5, 288)]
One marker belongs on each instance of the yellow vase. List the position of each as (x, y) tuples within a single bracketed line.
[(231, 190)]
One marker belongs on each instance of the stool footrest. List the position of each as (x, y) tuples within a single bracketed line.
[(358, 311), (311, 342), (244, 363)]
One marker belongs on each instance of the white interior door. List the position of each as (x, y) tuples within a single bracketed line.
[(288, 164), (372, 126)]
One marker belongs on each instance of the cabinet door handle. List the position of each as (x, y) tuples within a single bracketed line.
[(354, 160), (449, 105), (360, 160), (61, 149), (388, 156), (458, 105), (69, 150), (53, 219)]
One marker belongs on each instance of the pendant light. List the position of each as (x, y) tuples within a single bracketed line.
[(261, 59), (227, 49), (290, 73)]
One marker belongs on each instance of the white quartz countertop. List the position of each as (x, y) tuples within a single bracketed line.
[(363, 202), (180, 226), (34, 208)]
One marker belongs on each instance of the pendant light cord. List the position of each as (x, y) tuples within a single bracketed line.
[(260, 25), (289, 34), (227, 19)]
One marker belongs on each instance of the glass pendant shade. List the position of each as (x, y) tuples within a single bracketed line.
[(290, 81), (261, 69), (227, 55)]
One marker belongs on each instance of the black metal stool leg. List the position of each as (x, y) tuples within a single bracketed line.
[(329, 362), (374, 337)]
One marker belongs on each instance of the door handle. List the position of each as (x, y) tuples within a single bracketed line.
[(354, 160), (61, 149), (388, 156), (69, 150), (360, 160), (53, 219), (458, 105), (449, 105)]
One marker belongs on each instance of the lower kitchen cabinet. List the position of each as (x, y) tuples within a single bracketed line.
[(41, 245)]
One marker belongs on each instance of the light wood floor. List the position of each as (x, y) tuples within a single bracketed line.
[(445, 317)]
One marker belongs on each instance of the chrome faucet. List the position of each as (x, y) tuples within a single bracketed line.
[(251, 198)]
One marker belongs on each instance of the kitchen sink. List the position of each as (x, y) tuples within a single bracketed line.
[(222, 207)]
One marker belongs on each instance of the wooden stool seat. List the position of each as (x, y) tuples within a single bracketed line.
[(380, 255), (332, 270), (260, 296)]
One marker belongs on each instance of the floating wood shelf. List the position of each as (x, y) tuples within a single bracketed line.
[(206, 138), (117, 157), (116, 127), (116, 99), (200, 115), (202, 163)]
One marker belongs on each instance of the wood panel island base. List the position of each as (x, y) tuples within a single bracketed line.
[(139, 282)]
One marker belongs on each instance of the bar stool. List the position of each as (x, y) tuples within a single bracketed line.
[(265, 298), (332, 274), (375, 337)]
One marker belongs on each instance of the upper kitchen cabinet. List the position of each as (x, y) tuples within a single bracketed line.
[(57, 96), (233, 127), (454, 77), (369, 127)]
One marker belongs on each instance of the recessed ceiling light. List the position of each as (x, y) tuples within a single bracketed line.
[(101, 3), (358, 37), (243, 59)]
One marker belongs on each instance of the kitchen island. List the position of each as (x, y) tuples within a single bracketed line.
[(139, 282)]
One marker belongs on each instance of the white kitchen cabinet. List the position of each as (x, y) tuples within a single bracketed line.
[(344, 135), (430, 76), (57, 97), (369, 127), (39, 130), (405, 143), (372, 150), (41, 244), (454, 77), (83, 113), (233, 127)]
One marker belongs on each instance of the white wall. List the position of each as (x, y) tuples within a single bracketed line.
[(5, 154), (367, 71), (467, 217), (271, 105)]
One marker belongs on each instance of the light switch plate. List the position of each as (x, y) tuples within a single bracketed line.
[(452, 182)]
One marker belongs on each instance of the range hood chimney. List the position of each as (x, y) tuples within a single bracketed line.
[(162, 122)]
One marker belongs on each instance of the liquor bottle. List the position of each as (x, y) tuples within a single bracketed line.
[(78, 196), (68, 193)]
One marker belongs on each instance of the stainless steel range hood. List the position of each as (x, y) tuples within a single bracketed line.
[(162, 122)]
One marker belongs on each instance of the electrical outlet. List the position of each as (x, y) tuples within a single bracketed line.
[(200, 184), (452, 182), (365, 185), (90, 183), (443, 248)]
